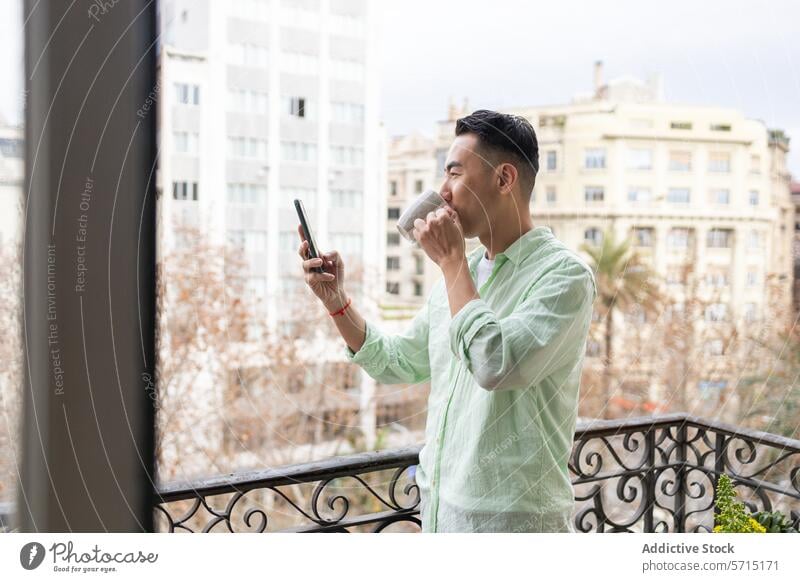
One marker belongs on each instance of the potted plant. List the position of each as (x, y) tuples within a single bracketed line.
[(733, 517)]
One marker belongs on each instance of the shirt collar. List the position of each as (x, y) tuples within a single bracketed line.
[(517, 251)]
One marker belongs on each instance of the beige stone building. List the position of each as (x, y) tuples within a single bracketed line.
[(411, 171), (703, 187)]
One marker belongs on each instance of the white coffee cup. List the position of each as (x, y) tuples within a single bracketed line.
[(428, 201)]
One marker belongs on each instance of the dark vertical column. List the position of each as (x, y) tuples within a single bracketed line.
[(89, 270)]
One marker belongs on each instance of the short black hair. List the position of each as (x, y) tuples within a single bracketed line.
[(507, 135)]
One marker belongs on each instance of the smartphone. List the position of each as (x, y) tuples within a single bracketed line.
[(312, 247)]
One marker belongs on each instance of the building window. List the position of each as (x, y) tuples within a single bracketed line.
[(12, 148), (593, 236), (393, 288), (719, 162), (716, 312), (346, 24), (248, 194), (720, 127), (299, 63), (595, 158), (680, 161), (185, 142), (347, 113), (717, 278), (247, 147), (251, 241), (641, 123), (721, 196), (678, 196), (714, 347), (392, 263), (639, 195), (754, 241), (752, 278), (392, 239), (288, 241), (250, 9), (755, 164), (417, 289), (346, 198), (753, 197), (419, 265), (296, 107), (418, 186), (289, 195), (551, 195), (719, 238), (644, 236), (248, 55), (347, 243), (347, 70), (593, 193), (750, 312), (247, 101), (184, 190), (393, 213), (347, 155), (393, 187), (594, 349), (678, 238), (186, 94), (640, 159), (297, 151), (676, 276), (552, 160), (681, 125)]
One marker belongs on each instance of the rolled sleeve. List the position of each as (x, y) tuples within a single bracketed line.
[(546, 331), (466, 324), (395, 359)]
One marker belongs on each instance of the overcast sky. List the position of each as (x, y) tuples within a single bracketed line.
[(500, 53)]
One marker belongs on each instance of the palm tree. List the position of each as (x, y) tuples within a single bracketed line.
[(623, 281)]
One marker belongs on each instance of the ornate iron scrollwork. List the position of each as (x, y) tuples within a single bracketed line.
[(653, 474)]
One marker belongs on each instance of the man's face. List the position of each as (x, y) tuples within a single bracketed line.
[(468, 185)]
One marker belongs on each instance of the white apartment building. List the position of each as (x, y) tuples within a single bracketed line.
[(262, 102)]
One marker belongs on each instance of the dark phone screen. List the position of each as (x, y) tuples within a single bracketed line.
[(312, 246)]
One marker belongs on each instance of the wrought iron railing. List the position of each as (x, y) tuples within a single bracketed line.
[(652, 474)]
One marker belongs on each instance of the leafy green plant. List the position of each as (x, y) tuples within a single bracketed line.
[(774, 522), (733, 517)]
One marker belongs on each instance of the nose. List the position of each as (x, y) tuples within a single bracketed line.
[(445, 192)]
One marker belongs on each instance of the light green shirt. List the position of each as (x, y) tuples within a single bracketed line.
[(505, 375)]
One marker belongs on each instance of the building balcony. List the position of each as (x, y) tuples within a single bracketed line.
[(653, 474)]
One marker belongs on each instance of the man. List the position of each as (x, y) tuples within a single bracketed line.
[(501, 338)]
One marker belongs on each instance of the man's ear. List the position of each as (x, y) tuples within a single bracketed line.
[(507, 176)]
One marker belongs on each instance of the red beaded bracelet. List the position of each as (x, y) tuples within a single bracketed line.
[(341, 311)]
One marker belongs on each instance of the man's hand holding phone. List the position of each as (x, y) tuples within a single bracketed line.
[(324, 273), (328, 285)]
